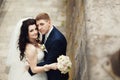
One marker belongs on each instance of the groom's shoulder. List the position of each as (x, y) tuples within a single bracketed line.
[(58, 35), (58, 32)]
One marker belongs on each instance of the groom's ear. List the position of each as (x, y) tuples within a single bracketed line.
[(49, 22)]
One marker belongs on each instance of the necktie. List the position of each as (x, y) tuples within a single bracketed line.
[(43, 39)]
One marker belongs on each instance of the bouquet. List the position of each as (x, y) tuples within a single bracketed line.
[(64, 64)]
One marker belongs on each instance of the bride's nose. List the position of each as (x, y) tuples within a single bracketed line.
[(35, 32)]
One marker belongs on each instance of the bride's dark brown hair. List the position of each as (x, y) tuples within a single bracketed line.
[(23, 37)]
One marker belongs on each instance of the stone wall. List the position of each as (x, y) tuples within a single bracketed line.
[(103, 36), (97, 25), (76, 37), (1, 2)]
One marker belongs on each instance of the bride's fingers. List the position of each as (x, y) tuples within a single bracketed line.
[(54, 66), (46, 67)]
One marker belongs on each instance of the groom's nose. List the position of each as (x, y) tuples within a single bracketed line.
[(39, 27)]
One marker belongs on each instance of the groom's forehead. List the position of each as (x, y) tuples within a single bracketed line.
[(41, 21)]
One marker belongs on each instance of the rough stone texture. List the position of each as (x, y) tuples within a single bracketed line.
[(76, 36), (103, 35), (11, 11), (1, 2)]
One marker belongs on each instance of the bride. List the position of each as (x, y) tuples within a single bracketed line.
[(25, 51)]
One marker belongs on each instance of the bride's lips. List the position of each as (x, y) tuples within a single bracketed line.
[(35, 35)]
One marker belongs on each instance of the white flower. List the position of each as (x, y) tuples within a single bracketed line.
[(64, 64), (43, 48)]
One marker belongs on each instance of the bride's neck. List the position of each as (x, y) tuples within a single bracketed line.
[(33, 41)]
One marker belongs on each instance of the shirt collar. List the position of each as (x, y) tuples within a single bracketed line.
[(46, 35)]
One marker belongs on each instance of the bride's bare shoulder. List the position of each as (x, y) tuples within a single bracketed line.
[(30, 48)]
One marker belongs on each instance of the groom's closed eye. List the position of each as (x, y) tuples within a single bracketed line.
[(41, 24)]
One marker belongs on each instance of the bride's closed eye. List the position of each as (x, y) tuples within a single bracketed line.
[(31, 30)]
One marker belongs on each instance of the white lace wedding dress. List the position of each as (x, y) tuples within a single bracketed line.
[(18, 71)]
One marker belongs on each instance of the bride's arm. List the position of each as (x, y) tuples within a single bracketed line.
[(31, 54)]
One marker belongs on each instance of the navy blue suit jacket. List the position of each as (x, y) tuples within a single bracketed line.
[(56, 45)]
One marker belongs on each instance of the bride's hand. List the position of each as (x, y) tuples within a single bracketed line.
[(46, 67), (53, 66)]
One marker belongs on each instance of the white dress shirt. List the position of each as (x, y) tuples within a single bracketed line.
[(47, 34)]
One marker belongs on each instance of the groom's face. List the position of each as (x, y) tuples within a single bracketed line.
[(43, 26)]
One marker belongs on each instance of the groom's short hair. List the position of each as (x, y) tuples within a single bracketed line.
[(43, 16)]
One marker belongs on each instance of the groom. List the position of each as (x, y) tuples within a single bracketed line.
[(55, 44)]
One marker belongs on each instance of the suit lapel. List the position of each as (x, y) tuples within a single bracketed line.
[(50, 38)]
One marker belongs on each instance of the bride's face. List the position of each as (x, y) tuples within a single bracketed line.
[(32, 32)]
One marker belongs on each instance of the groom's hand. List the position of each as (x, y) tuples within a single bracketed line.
[(27, 63), (27, 67)]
